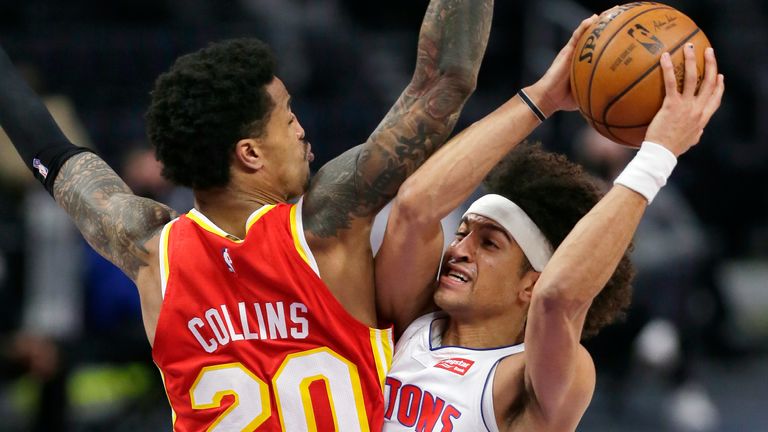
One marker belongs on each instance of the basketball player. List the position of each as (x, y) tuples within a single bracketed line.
[(522, 282), (261, 313)]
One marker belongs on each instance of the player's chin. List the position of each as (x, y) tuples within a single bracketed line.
[(307, 179), (449, 295), (298, 187)]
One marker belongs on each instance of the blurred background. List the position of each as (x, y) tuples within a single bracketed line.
[(692, 354)]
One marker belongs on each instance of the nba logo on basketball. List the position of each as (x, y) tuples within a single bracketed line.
[(459, 366), (618, 89)]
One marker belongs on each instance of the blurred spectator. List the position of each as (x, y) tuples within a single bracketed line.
[(51, 299), (142, 172)]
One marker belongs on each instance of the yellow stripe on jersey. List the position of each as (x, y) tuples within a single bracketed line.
[(165, 267), (257, 215), (381, 345), (207, 225), (197, 217), (173, 413), (296, 239)]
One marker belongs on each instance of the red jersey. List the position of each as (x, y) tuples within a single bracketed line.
[(250, 338)]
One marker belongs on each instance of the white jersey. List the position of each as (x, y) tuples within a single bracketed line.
[(435, 388)]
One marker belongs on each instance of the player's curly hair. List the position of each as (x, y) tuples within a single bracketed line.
[(205, 104), (556, 193)]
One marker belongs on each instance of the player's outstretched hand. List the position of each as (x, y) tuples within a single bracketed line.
[(681, 120)]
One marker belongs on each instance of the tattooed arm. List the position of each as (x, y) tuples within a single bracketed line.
[(351, 189), (114, 221)]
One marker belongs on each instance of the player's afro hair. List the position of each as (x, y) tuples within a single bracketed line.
[(205, 104), (556, 194)]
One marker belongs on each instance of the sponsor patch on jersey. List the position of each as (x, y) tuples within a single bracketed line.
[(457, 365)]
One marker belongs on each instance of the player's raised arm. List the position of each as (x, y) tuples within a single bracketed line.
[(558, 370), (452, 41), (408, 259), (112, 219)]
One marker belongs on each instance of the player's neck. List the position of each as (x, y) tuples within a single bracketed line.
[(489, 333), (229, 207)]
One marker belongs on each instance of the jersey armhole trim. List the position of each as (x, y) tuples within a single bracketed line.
[(381, 344), (165, 389), (299, 241), (487, 411), (165, 266)]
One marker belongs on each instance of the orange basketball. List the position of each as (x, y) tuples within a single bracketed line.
[(616, 78)]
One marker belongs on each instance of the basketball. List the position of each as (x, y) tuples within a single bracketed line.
[(616, 78)]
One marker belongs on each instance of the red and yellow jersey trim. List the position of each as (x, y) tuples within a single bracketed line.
[(203, 222), (382, 343), (165, 388), (163, 255), (255, 216), (299, 240)]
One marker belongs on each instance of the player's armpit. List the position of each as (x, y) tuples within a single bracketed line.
[(114, 221), (405, 268), (559, 372)]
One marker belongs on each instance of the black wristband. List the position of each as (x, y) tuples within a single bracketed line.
[(47, 163), (536, 111)]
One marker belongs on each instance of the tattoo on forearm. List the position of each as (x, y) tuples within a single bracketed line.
[(360, 182), (113, 220)]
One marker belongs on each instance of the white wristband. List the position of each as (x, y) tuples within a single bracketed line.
[(648, 171)]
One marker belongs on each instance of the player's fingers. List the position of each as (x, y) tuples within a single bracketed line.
[(710, 73), (698, 136), (582, 28), (714, 101), (668, 71), (569, 48), (691, 71)]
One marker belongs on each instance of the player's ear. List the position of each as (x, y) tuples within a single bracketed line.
[(528, 281), (248, 152)]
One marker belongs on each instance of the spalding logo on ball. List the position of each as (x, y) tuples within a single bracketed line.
[(616, 77)]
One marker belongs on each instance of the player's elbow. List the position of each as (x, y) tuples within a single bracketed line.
[(411, 206), (459, 79), (445, 91), (559, 297), (457, 84)]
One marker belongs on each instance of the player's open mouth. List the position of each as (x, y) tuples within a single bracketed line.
[(309, 155), (457, 276), (453, 275)]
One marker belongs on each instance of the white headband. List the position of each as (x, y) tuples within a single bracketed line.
[(513, 219)]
